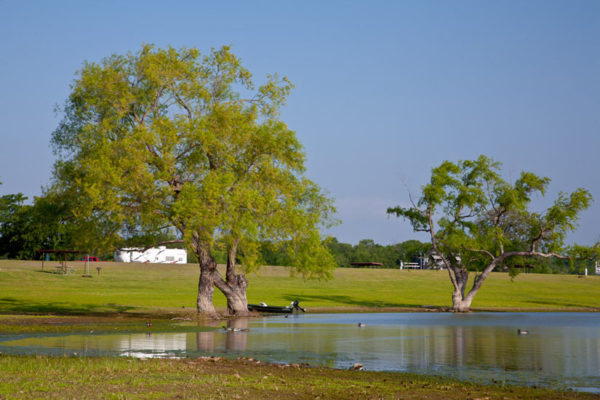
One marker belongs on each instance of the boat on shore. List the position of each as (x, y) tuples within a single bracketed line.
[(262, 307)]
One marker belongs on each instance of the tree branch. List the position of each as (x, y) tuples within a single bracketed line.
[(497, 260), (534, 240), (154, 105), (437, 250), (486, 252), (184, 105)]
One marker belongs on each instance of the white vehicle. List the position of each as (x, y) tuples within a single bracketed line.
[(156, 255)]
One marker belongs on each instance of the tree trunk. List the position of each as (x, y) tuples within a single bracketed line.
[(208, 269), (204, 302), (237, 303), (235, 292), (460, 302), (234, 287)]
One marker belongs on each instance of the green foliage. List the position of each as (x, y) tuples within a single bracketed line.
[(25, 229), (480, 213), (275, 253), (479, 221), (170, 143)]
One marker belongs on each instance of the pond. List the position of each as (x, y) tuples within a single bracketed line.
[(561, 350)]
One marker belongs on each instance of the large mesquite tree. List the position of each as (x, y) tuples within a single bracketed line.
[(476, 220), (170, 140)]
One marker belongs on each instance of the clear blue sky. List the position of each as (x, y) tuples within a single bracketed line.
[(385, 90)]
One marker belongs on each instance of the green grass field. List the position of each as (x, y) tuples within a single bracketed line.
[(24, 288), (125, 378)]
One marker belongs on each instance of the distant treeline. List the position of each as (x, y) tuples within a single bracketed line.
[(24, 229), (45, 224), (345, 254), (410, 251), (414, 251)]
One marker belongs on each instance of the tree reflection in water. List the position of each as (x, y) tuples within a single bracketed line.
[(236, 338)]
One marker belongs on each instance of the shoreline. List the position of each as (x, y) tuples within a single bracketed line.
[(189, 313), (171, 320)]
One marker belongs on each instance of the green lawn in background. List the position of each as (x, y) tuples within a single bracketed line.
[(120, 287)]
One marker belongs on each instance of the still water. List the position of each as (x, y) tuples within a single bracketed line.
[(561, 350)]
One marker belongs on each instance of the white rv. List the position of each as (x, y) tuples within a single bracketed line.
[(157, 255)]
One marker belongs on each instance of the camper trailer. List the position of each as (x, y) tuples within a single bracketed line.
[(157, 255)]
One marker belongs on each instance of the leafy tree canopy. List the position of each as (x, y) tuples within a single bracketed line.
[(475, 218), (170, 140)]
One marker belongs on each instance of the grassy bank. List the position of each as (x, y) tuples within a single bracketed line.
[(130, 288), (210, 378)]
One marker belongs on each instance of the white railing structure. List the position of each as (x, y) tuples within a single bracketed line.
[(410, 265)]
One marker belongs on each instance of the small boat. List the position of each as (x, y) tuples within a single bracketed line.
[(262, 307), (270, 309)]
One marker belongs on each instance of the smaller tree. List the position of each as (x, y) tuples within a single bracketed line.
[(477, 220)]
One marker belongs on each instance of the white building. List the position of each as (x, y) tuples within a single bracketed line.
[(157, 255)]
